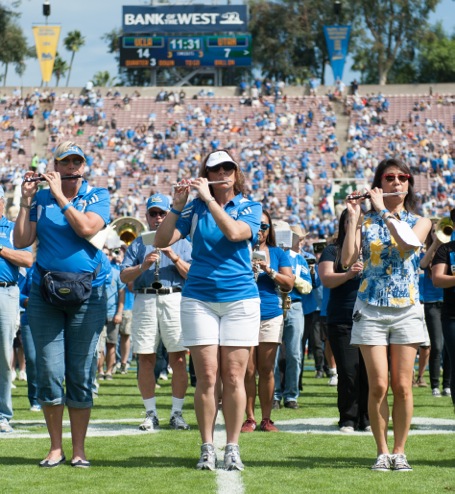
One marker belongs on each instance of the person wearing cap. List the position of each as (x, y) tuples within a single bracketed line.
[(220, 303), (158, 277), (63, 217), (293, 327), (11, 259)]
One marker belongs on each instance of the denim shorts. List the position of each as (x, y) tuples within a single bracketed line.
[(66, 340), (220, 323), (377, 325)]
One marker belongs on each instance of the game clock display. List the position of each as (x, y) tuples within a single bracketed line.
[(185, 51)]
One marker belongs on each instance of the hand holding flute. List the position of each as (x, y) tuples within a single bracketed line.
[(42, 178)]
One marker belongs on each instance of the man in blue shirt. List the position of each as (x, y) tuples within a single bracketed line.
[(10, 262), (158, 276)]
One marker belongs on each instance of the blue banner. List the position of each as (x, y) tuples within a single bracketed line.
[(184, 19), (337, 40)]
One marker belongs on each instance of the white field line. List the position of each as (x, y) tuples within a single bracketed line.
[(129, 427), (227, 482)]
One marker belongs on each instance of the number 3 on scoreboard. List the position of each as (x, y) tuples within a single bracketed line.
[(226, 52), (152, 62)]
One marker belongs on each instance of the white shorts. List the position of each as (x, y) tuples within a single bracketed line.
[(271, 330), (220, 323), (387, 325), (156, 316)]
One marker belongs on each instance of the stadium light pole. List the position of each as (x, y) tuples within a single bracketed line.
[(337, 10), (46, 9)]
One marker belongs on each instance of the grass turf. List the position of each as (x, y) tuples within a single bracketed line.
[(164, 462)]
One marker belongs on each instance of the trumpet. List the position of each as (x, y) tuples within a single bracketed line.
[(180, 184), (40, 178), (444, 229), (285, 300), (353, 197)]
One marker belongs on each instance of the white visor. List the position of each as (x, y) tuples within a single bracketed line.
[(219, 157)]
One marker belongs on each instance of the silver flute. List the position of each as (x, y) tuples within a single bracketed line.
[(180, 184), (40, 178), (353, 197)]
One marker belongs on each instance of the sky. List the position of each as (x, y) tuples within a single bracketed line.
[(93, 18)]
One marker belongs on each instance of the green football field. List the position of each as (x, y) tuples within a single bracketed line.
[(307, 455)]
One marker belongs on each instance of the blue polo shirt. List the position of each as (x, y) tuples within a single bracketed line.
[(221, 270), (112, 292), (8, 271), (268, 290), (299, 268), (168, 273), (60, 248)]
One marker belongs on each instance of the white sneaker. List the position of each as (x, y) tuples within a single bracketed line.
[(347, 429), (207, 461), (22, 375), (436, 393), (446, 392), (232, 459), (399, 463), (382, 463), (150, 422), (333, 381), (35, 408), (163, 376), (5, 427)]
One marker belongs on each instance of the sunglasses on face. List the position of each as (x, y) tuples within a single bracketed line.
[(154, 214), (227, 167), (75, 162), (391, 177), (264, 227)]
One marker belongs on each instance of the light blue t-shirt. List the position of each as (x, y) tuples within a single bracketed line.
[(60, 248), (113, 286), (221, 270), (268, 291), (9, 272)]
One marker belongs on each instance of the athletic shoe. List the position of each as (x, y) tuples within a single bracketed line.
[(207, 461), (399, 463), (163, 376), (5, 427), (347, 429), (268, 426), (446, 392), (35, 408), (276, 405), (319, 374), (22, 375), (367, 429), (291, 404), (232, 459), (436, 393), (421, 383), (249, 425), (150, 422), (333, 381), (178, 422), (123, 369), (382, 464), (108, 377)]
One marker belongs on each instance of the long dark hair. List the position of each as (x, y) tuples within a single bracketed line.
[(239, 186), (410, 200), (271, 238), (340, 239)]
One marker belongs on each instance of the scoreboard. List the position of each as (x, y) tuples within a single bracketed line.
[(138, 52)]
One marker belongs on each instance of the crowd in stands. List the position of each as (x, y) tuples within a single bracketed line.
[(288, 147)]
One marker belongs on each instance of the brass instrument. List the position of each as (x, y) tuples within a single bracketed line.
[(444, 229), (128, 228), (157, 283), (285, 300)]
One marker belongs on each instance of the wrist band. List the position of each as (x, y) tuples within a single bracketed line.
[(210, 200), (66, 207), (383, 212), (178, 213), (26, 206)]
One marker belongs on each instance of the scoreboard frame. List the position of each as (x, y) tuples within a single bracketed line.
[(152, 52)]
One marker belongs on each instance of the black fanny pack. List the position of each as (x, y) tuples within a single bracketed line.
[(66, 289)]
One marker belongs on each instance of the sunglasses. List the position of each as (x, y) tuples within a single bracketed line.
[(154, 214), (227, 167), (264, 227), (75, 162), (402, 177)]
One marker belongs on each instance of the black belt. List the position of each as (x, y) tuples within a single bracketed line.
[(436, 304), (160, 291), (4, 284)]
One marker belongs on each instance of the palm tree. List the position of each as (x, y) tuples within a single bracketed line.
[(73, 41), (60, 68), (103, 79)]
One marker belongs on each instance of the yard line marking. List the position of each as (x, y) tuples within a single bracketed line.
[(226, 482), (129, 427)]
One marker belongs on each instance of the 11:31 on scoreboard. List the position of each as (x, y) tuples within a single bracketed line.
[(185, 51)]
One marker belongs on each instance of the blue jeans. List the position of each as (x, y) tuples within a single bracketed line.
[(292, 340), (30, 364), (66, 340), (9, 308), (448, 328)]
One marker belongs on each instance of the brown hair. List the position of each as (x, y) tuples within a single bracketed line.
[(239, 185)]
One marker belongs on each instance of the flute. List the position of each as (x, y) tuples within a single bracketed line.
[(41, 178), (180, 184), (353, 197)]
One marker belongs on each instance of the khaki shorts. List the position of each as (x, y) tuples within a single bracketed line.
[(378, 325), (156, 318), (271, 330), (126, 324)]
